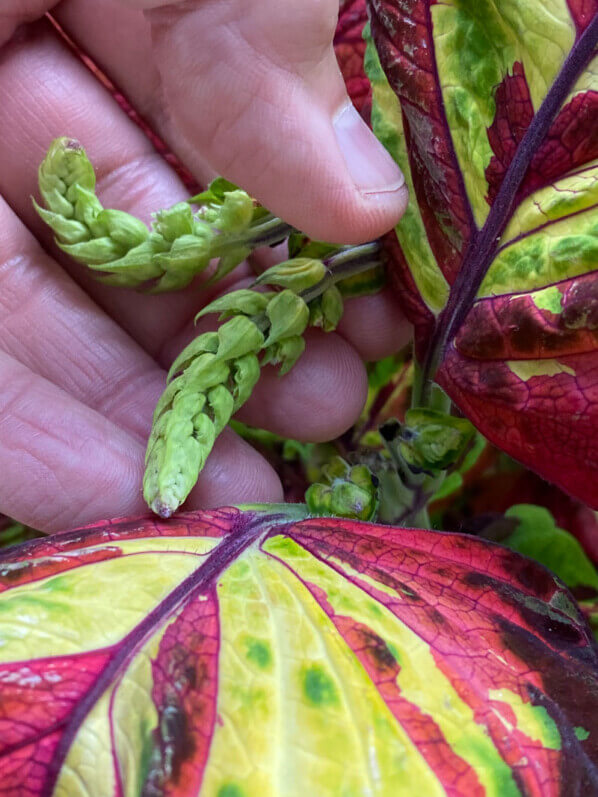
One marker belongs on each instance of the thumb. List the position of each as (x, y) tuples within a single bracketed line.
[(255, 90)]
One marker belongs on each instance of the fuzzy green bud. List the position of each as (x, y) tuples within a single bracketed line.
[(288, 315), (236, 212), (246, 372), (431, 440), (238, 337), (66, 165), (298, 274), (174, 222), (332, 308), (285, 353), (352, 492)]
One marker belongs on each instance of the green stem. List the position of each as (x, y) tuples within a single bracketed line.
[(421, 518), (351, 260), (414, 512)]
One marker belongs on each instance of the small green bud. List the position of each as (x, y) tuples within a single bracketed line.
[(352, 493), (206, 343), (176, 457), (298, 274), (244, 301), (87, 209), (69, 231), (124, 229), (134, 268), (65, 165), (288, 315), (285, 353), (206, 371), (166, 400), (316, 316), (189, 255), (174, 222), (222, 405), (332, 308), (246, 372), (431, 440), (236, 212), (238, 337), (96, 252)]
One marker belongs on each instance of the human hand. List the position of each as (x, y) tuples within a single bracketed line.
[(81, 364)]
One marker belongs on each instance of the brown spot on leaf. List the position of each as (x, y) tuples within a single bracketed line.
[(580, 305)]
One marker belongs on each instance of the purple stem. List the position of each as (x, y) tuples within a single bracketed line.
[(482, 246)]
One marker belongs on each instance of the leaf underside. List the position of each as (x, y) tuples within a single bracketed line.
[(230, 653)]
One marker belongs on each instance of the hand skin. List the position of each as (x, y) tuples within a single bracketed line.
[(248, 90)]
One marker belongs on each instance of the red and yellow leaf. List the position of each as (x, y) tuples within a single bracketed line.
[(491, 110), (243, 653)]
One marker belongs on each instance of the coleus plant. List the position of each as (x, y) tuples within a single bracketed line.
[(250, 653), (257, 651), (494, 126), (491, 109)]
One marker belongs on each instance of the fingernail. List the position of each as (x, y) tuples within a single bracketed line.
[(371, 167)]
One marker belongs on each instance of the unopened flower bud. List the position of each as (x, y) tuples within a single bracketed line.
[(236, 212), (298, 274), (431, 440), (288, 315), (352, 493)]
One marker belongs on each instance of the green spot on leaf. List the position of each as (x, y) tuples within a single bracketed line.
[(230, 790), (550, 299), (259, 653), (581, 733), (319, 688)]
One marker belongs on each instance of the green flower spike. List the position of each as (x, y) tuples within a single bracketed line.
[(124, 252), (211, 379)]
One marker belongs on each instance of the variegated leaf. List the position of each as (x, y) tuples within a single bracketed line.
[(241, 654)]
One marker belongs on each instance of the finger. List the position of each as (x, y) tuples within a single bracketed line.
[(17, 12), (50, 325), (318, 400), (62, 463), (65, 465), (375, 325), (286, 131), (62, 97)]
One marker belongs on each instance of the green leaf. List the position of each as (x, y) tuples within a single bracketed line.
[(244, 301), (214, 193), (538, 537)]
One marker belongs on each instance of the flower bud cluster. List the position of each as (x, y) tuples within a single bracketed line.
[(351, 492), (214, 376), (124, 252)]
